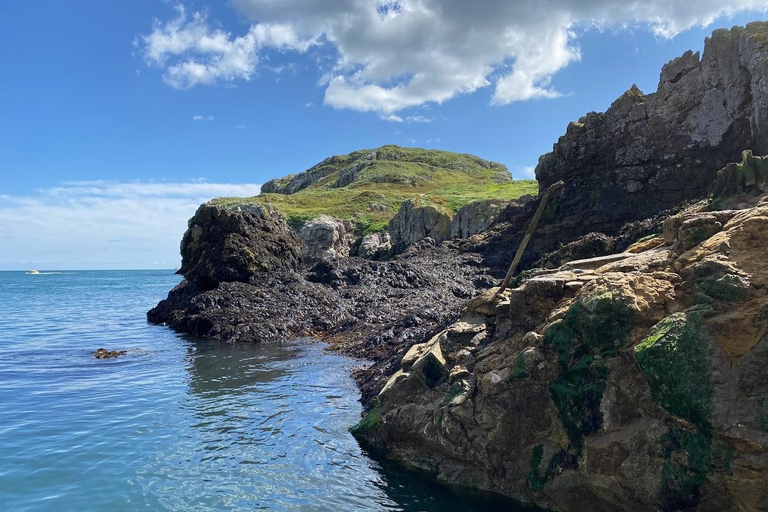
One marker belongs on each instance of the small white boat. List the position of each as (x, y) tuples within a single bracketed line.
[(33, 271)]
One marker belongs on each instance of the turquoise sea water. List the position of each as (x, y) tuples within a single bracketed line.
[(178, 424)]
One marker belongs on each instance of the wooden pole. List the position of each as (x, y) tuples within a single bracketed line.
[(528, 234)]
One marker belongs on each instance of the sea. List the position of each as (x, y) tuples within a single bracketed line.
[(179, 423)]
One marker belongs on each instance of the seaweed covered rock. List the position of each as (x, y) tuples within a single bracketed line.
[(746, 178), (236, 243)]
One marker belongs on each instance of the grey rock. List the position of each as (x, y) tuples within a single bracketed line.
[(475, 217), (375, 246), (648, 153), (324, 238), (414, 222)]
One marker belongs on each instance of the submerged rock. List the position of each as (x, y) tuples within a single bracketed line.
[(103, 353)]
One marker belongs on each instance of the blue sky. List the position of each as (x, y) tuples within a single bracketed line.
[(118, 118)]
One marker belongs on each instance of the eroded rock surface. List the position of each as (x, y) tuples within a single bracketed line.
[(640, 381)]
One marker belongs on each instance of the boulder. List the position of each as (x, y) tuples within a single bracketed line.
[(324, 238), (375, 246), (235, 243), (414, 222), (475, 217)]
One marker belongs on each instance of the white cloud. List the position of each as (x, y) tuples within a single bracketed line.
[(240, 127), (103, 224), (202, 118), (309, 105), (194, 53), (392, 118), (390, 55), (419, 119)]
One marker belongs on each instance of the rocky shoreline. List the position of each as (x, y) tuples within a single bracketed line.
[(636, 381)]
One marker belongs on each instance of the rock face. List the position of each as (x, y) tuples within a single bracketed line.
[(414, 222), (324, 238), (639, 384), (475, 217), (234, 244), (647, 153)]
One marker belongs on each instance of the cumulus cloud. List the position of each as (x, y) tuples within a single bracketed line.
[(198, 117), (192, 52), (390, 55), (102, 224)]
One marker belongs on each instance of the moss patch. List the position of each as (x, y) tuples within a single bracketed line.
[(593, 328), (673, 357), (536, 479), (687, 462), (371, 421), (519, 371)]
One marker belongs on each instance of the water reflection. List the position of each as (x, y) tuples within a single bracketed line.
[(271, 432)]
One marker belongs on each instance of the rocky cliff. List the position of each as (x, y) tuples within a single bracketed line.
[(650, 152), (635, 381)]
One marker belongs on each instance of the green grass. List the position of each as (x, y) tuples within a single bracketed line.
[(444, 179)]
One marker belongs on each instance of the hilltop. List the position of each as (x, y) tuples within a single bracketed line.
[(369, 185)]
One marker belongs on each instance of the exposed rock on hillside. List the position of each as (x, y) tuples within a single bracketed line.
[(234, 244), (324, 238), (647, 153), (369, 186), (475, 217), (414, 222), (641, 382)]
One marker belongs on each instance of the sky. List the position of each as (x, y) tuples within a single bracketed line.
[(117, 119)]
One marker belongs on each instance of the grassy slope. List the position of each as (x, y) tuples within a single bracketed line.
[(448, 180)]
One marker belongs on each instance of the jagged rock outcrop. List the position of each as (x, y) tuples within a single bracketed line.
[(414, 222), (236, 243), (639, 384), (475, 217), (651, 152), (324, 238)]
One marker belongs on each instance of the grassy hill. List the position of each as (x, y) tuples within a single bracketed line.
[(370, 185)]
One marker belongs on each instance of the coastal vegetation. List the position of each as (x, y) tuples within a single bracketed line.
[(368, 186)]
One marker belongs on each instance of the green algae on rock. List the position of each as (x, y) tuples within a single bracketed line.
[(674, 359)]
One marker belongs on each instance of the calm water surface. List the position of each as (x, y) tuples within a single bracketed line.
[(178, 424)]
